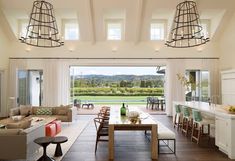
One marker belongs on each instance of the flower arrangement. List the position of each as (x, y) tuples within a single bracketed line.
[(187, 83)]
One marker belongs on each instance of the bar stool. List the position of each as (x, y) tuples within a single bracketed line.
[(177, 119), (187, 121), (198, 127)]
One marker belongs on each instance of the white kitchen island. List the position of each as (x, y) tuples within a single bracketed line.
[(224, 124)]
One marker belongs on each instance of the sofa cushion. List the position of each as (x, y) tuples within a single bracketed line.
[(15, 111), (44, 111), (25, 110), (62, 111), (19, 125), (4, 132)]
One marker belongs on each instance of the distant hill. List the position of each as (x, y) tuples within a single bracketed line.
[(118, 78)]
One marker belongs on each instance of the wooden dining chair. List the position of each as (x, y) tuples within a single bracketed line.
[(101, 130)]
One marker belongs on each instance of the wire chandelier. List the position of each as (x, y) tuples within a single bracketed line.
[(42, 30), (186, 30)]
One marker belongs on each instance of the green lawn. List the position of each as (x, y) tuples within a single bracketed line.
[(140, 100)]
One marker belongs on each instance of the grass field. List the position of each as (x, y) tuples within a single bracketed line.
[(98, 100)]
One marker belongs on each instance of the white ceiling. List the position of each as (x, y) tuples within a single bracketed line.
[(137, 14)]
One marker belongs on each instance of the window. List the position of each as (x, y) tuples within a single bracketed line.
[(200, 91), (71, 30), (114, 31), (23, 28), (157, 31), (205, 27)]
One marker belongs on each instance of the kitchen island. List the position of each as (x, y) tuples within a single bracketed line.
[(224, 124)]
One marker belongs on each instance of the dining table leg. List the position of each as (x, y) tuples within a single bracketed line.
[(111, 142), (154, 146)]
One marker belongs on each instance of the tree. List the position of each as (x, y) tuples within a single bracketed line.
[(142, 84)]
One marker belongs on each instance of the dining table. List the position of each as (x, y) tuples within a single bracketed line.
[(145, 122)]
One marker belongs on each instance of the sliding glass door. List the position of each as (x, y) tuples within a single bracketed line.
[(200, 91), (30, 83)]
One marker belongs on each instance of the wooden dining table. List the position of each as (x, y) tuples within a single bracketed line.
[(122, 123)]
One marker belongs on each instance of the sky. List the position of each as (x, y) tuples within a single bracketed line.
[(114, 70)]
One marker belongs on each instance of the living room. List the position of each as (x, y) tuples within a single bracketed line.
[(117, 34)]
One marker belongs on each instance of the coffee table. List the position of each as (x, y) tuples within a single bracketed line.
[(44, 142), (59, 140)]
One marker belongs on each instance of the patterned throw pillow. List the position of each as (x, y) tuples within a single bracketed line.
[(44, 111)]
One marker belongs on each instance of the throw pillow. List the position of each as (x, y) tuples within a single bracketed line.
[(25, 110), (44, 111), (62, 112), (17, 117), (15, 111)]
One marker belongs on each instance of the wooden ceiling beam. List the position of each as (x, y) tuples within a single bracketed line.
[(92, 20), (140, 19)]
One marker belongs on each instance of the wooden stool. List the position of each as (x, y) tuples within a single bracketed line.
[(177, 119), (187, 121), (198, 127)]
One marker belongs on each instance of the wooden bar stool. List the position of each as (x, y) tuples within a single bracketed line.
[(187, 121), (177, 119), (199, 124)]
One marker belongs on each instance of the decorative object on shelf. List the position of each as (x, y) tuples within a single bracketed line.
[(186, 30), (42, 30)]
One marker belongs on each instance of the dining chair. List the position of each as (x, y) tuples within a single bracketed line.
[(101, 131)]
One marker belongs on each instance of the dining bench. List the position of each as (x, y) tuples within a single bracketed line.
[(165, 135)]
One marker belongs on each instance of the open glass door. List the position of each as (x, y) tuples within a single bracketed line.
[(30, 84)]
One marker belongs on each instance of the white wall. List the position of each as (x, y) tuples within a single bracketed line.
[(227, 46), (123, 50)]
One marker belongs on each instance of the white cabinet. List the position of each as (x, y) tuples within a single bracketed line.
[(221, 134), (228, 87)]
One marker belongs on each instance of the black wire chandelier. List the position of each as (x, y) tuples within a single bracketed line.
[(42, 30), (187, 30)]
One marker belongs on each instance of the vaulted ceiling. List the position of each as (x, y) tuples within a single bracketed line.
[(137, 15)]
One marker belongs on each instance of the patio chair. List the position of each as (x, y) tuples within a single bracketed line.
[(155, 103), (149, 100)]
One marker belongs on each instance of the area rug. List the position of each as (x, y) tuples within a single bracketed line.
[(96, 109), (70, 130)]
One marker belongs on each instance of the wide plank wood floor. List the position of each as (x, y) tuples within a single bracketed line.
[(134, 146)]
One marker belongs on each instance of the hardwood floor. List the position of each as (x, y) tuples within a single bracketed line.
[(134, 146)]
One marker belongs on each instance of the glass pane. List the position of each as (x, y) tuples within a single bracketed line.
[(30, 87), (114, 31), (71, 31), (22, 87), (157, 31)]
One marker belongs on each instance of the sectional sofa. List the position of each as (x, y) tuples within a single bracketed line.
[(18, 139)]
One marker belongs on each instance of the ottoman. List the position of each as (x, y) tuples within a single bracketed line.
[(51, 129), (57, 125)]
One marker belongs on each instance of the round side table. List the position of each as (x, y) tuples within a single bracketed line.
[(59, 140), (44, 142)]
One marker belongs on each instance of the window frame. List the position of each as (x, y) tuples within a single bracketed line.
[(121, 21), (67, 21), (158, 21)]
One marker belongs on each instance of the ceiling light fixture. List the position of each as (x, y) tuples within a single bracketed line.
[(186, 30), (42, 30)]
